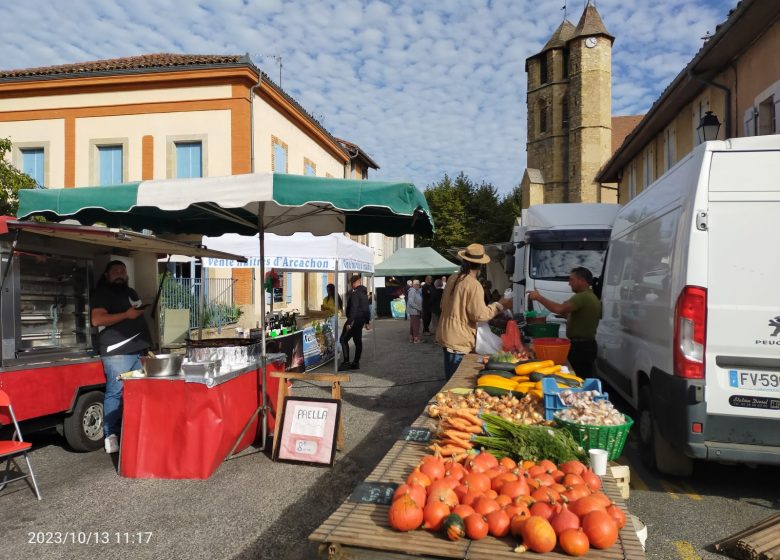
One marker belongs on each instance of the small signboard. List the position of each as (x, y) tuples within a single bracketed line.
[(419, 435), (307, 432), (380, 493)]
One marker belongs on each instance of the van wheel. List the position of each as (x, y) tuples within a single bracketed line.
[(83, 429), (655, 450)]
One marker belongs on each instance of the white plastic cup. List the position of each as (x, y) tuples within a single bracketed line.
[(598, 461)]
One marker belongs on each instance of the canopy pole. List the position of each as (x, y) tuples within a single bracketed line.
[(372, 316), (336, 335), (263, 367)]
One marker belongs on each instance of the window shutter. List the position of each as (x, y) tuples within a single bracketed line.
[(324, 285), (242, 285), (776, 123), (288, 287)]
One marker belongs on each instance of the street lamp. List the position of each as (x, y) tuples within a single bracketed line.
[(708, 127)]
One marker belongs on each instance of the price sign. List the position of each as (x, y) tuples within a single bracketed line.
[(419, 435), (380, 493), (307, 432)]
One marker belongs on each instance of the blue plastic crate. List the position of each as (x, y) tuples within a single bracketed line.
[(552, 399)]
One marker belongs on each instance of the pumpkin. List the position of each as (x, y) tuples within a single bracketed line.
[(433, 469), (481, 462), (538, 535), (498, 523), (418, 477), (434, 514), (573, 467), (601, 529), (616, 513), (476, 481), (592, 480), (405, 514), (546, 494), (602, 498), (576, 492), (515, 488), (484, 505), (476, 527), (439, 491), (572, 479), (564, 519), (508, 463), (470, 497), (574, 542), (548, 465), (542, 509), (463, 510), (501, 479), (414, 491), (584, 506), (517, 520), (453, 526), (455, 470), (557, 475)]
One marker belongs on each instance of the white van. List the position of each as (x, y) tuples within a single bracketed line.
[(690, 328), (551, 239)]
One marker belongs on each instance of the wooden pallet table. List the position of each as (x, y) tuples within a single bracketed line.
[(361, 530)]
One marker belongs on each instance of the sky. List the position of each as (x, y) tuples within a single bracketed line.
[(425, 87)]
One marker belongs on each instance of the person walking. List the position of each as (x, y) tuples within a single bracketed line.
[(427, 292), (583, 313), (436, 293), (357, 316), (414, 306), (123, 338), (463, 304)]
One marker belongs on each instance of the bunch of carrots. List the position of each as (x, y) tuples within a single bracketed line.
[(456, 428)]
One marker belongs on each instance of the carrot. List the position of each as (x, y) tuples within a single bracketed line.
[(456, 434), (455, 411), (463, 445), (471, 417), (446, 451), (473, 429), (457, 423)]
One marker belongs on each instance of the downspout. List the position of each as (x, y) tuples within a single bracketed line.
[(727, 90), (252, 91)]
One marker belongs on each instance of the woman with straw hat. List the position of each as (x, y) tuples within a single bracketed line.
[(463, 304)]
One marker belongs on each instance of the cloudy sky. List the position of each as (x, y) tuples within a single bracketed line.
[(426, 87)]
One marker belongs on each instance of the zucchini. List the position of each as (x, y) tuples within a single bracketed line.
[(500, 366), (560, 379), (498, 391), (507, 374)]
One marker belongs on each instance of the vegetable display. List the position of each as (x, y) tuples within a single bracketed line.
[(542, 504), (584, 409)]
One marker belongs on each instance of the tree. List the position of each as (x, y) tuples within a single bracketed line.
[(465, 212), (11, 182)]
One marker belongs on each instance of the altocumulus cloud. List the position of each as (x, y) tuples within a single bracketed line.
[(425, 87)]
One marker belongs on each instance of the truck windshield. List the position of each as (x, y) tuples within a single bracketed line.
[(554, 261)]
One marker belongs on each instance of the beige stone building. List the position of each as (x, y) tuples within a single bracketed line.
[(571, 130), (735, 77), (165, 116)]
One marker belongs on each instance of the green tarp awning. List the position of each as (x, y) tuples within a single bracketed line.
[(415, 262)]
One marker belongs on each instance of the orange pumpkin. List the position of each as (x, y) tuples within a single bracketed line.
[(574, 542), (538, 535), (484, 505), (414, 491), (463, 510), (405, 514), (592, 480), (476, 527), (476, 481), (434, 514), (443, 494), (616, 513), (498, 523), (601, 529), (418, 477), (517, 520)]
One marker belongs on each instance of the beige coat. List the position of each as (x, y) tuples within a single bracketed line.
[(462, 305)]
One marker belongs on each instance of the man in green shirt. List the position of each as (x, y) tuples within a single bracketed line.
[(582, 311)]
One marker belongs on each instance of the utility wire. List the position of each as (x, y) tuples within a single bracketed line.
[(439, 380)]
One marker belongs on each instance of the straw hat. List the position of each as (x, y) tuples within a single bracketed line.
[(474, 253)]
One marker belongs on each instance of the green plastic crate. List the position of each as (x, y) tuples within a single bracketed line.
[(609, 438), (543, 330)]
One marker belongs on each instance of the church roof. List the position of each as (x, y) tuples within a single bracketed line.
[(564, 32), (590, 23)]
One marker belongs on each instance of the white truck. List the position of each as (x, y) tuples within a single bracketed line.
[(690, 327), (551, 239)]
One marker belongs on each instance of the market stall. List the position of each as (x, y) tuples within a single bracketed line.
[(363, 527), (417, 261), (244, 204), (301, 252)]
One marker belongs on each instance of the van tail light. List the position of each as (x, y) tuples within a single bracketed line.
[(690, 332)]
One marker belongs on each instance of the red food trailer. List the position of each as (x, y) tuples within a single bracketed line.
[(48, 364)]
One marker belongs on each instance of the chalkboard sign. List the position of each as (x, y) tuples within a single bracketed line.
[(420, 435), (380, 493), (307, 431)]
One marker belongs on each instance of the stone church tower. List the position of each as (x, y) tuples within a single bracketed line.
[(569, 104)]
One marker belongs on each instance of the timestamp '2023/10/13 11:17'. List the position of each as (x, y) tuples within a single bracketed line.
[(89, 537)]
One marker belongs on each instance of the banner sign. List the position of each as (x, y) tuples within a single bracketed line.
[(319, 344), (293, 263)]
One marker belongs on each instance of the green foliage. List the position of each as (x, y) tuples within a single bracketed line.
[(177, 295), (465, 212), (11, 182)]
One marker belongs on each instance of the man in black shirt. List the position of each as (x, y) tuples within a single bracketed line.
[(357, 316), (427, 303), (124, 337)]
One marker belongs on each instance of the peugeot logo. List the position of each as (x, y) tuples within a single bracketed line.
[(776, 324)]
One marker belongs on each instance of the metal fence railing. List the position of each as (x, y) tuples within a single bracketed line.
[(218, 307)]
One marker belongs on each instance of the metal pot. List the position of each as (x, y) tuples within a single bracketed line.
[(163, 365)]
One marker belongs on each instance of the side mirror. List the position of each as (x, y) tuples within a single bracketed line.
[(509, 265), (521, 282)]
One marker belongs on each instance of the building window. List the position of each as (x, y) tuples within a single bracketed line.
[(543, 72), (309, 167), (670, 148), (189, 158), (542, 116), (631, 180), (33, 164), (565, 115), (648, 167), (110, 162), (278, 156), (565, 63)]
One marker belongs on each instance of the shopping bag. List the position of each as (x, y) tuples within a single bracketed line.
[(487, 342)]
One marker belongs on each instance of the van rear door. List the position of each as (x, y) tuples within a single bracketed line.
[(743, 296)]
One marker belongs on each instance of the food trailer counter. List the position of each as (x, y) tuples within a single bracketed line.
[(185, 426)]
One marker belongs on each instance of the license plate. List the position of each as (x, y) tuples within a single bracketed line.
[(754, 380)]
